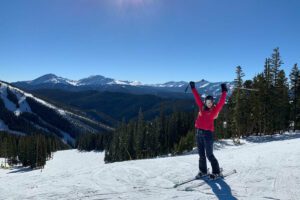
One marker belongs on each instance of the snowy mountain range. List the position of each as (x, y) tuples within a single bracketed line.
[(96, 80), (108, 100), (23, 114), (101, 83)]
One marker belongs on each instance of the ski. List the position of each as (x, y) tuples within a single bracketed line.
[(184, 182), (189, 180), (190, 188)]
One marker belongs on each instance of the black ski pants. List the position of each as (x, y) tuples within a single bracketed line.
[(205, 143)]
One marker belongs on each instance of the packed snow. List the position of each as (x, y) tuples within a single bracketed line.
[(23, 106), (267, 168)]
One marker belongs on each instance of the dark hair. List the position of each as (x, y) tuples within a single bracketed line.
[(209, 97)]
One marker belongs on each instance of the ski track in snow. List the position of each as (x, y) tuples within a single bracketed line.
[(265, 170)]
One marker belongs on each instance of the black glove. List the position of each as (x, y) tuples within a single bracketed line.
[(224, 87), (192, 84)]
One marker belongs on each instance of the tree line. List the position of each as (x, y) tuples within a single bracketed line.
[(29, 151), (146, 139), (265, 105), (92, 141)]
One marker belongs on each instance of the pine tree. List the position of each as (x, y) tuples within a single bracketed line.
[(5, 150), (268, 74), (247, 102), (124, 142), (283, 107), (275, 62), (278, 95), (140, 135), (237, 98), (259, 105), (295, 96), (161, 128), (156, 146), (267, 95), (12, 156), (131, 142)]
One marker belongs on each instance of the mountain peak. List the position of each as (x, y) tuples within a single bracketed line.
[(95, 80), (43, 79), (95, 76), (51, 79), (202, 81), (47, 76)]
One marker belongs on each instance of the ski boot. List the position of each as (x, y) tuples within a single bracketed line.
[(200, 175), (215, 176)]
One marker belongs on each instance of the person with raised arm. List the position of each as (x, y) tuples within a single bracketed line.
[(204, 125)]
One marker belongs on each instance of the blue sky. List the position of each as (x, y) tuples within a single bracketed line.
[(151, 41)]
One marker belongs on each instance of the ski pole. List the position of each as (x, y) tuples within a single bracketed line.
[(187, 87)]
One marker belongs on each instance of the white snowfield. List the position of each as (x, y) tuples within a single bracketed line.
[(267, 168), (24, 107)]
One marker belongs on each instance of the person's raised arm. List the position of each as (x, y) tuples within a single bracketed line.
[(222, 100), (196, 95)]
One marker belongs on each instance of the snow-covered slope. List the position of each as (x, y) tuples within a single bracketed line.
[(23, 105), (19, 102), (21, 95), (51, 78), (171, 84), (267, 168), (98, 80)]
